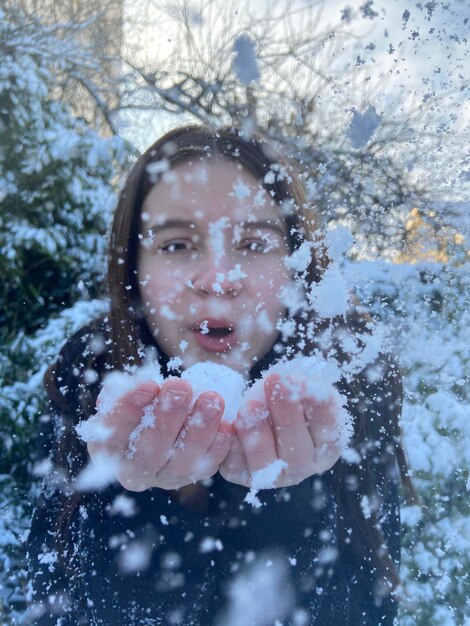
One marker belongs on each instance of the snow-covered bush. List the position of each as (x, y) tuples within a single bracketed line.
[(56, 196), (426, 309)]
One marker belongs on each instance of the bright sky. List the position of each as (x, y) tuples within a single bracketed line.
[(428, 40), (409, 50)]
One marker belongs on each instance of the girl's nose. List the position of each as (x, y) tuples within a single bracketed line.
[(219, 278)]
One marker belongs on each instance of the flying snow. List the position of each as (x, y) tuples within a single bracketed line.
[(330, 297), (264, 478), (100, 472), (362, 126), (244, 63)]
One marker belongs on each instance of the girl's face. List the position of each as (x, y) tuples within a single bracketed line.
[(210, 265)]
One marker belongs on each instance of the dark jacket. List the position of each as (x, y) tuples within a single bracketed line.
[(144, 559)]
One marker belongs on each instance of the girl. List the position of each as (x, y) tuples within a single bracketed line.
[(197, 273)]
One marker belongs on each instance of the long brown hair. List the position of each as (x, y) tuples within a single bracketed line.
[(127, 334)]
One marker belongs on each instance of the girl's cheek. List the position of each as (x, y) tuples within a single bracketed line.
[(171, 278), (278, 276), (163, 281), (155, 294)]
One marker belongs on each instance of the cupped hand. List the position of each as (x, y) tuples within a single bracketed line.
[(160, 440), (291, 427)]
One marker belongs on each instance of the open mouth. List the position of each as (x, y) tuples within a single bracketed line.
[(218, 332), (213, 328), (214, 334)]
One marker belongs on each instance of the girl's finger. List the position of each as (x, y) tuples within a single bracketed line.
[(151, 443), (205, 466), (255, 433), (221, 444), (323, 428), (294, 443), (115, 426), (189, 457), (234, 467)]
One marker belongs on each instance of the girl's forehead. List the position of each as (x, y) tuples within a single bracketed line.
[(220, 173), (208, 190)]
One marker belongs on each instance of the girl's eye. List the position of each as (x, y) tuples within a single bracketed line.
[(179, 245), (253, 245)]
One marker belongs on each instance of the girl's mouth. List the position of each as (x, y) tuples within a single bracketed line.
[(214, 335), (218, 332)]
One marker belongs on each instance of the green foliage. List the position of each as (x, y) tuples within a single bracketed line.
[(15, 512), (56, 198), (57, 179)]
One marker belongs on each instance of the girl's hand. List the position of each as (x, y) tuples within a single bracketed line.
[(299, 431), (160, 441)]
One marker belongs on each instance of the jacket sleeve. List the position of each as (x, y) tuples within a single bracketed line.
[(57, 598), (372, 508), (371, 603), (54, 599)]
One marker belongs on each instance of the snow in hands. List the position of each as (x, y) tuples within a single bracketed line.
[(309, 379)]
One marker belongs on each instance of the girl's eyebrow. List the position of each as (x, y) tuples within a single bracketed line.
[(173, 223), (246, 224), (262, 225)]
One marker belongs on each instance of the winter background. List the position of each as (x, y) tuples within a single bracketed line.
[(372, 96)]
